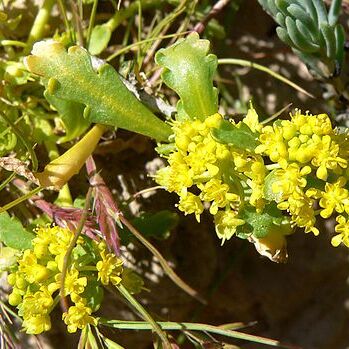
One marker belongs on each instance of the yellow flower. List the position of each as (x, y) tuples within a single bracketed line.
[(32, 271), (226, 223), (109, 268), (289, 179), (72, 282), (217, 192), (37, 324), (78, 316), (61, 238), (272, 144), (326, 156), (201, 155), (175, 177), (251, 120), (333, 198), (36, 304), (343, 229), (190, 203), (257, 194), (301, 209)]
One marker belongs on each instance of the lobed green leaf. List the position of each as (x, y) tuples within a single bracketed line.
[(189, 70), (73, 76)]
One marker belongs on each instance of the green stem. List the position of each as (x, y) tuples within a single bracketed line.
[(20, 199), (65, 19), (145, 315), (245, 63), (168, 270), (131, 10), (7, 180), (38, 28), (92, 21), (13, 43), (188, 326), (141, 42), (66, 260)]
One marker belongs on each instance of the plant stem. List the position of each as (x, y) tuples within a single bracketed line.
[(38, 28), (188, 326), (128, 12), (145, 315), (20, 199), (66, 260), (168, 270), (250, 64), (91, 22)]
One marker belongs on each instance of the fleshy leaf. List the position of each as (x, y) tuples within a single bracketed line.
[(189, 70), (239, 136), (12, 233), (76, 76)]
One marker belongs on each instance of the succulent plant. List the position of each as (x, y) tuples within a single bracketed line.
[(311, 31)]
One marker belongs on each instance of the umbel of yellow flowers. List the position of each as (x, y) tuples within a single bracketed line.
[(37, 279), (299, 165)]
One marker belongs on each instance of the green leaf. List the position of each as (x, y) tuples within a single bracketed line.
[(189, 70), (12, 233), (259, 223), (240, 136), (330, 39), (8, 139), (77, 77), (299, 40), (340, 43), (72, 115), (157, 225), (94, 294), (100, 38), (334, 12)]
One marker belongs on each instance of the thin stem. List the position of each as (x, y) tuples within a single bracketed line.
[(145, 315), (66, 260), (38, 29), (246, 63), (7, 180), (168, 270), (188, 326), (13, 43), (21, 199), (92, 21), (274, 116), (138, 43), (65, 18)]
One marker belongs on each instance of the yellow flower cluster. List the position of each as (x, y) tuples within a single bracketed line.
[(203, 172), (312, 158), (297, 164), (37, 280)]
